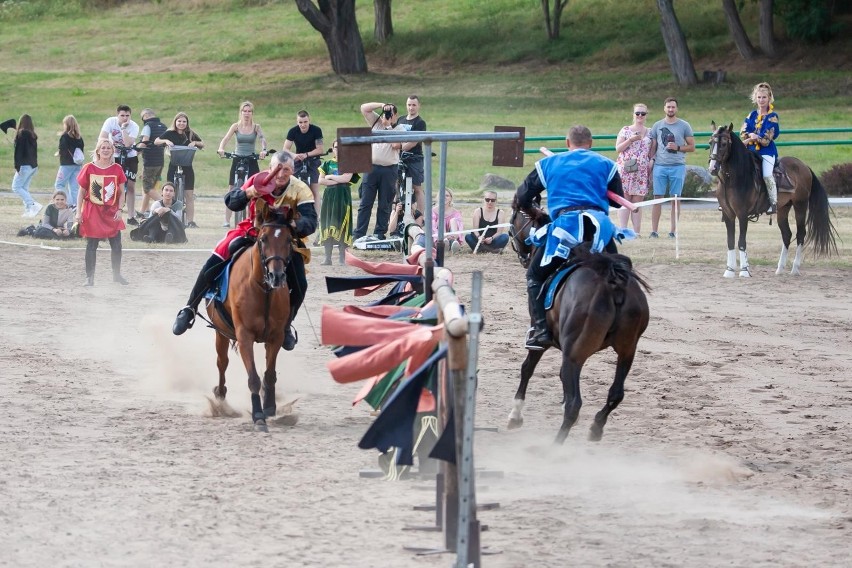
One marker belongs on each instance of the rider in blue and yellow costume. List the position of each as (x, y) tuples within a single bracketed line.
[(576, 183), (759, 132)]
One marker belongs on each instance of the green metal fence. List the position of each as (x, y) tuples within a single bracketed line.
[(700, 135)]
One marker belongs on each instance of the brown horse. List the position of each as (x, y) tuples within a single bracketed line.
[(256, 308), (601, 305), (743, 197)]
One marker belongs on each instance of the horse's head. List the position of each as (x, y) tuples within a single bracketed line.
[(522, 224), (720, 147), (275, 242)]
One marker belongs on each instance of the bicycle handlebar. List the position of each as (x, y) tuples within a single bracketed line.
[(253, 156)]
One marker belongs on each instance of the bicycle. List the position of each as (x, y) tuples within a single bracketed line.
[(181, 157), (122, 158), (241, 174), (404, 185)]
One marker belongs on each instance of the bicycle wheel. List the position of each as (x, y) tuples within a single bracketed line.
[(181, 194), (241, 214)]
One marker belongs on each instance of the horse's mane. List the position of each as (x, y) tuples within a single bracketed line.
[(741, 164)]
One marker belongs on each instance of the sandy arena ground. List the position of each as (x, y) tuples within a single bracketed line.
[(731, 447)]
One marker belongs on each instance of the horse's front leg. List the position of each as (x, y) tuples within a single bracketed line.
[(741, 244), (516, 416), (786, 235), (273, 347), (222, 344), (615, 396), (245, 345), (570, 375), (731, 266)]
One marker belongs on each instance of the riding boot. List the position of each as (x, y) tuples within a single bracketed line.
[(186, 316), (539, 337), (772, 190), (291, 338), (328, 246)]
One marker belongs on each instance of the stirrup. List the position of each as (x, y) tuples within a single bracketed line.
[(773, 208)]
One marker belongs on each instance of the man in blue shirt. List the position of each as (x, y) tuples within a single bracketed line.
[(576, 182)]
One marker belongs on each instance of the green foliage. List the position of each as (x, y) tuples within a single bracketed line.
[(807, 20), (695, 186), (838, 180)]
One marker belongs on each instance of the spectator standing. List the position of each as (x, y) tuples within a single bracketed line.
[(69, 142), (490, 238), (99, 204), (759, 132), (121, 130), (633, 145), (414, 164), (380, 183), (336, 210), (305, 141), (247, 132), (180, 134), (26, 164), (153, 157), (671, 139)]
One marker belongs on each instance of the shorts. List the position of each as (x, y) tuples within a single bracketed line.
[(414, 169), (150, 177), (313, 170), (131, 166), (253, 168), (188, 177), (669, 177)]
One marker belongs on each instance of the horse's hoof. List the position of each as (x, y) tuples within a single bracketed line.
[(260, 425), (515, 423), (729, 274), (220, 393), (269, 412), (745, 274), (595, 433)]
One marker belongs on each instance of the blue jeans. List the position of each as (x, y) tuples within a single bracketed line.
[(498, 243), (21, 184), (67, 177), (670, 177)]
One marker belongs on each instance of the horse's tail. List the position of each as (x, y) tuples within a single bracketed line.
[(617, 270), (821, 231)]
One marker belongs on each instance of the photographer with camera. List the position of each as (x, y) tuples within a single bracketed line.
[(381, 181)]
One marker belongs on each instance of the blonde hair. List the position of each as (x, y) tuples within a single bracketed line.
[(762, 87), (70, 126), (100, 143)]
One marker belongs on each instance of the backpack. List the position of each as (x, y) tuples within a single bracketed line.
[(79, 157)]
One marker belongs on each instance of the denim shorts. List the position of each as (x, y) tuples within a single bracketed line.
[(669, 178)]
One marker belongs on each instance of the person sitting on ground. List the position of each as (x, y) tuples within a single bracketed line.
[(57, 221), (452, 223), (490, 238), (279, 188), (164, 222)]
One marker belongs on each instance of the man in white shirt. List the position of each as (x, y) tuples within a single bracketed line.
[(123, 131)]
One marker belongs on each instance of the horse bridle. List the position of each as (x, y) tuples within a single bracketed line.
[(524, 259), (715, 144), (265, 260)]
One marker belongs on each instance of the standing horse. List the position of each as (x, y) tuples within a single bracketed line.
[(256, 309), (743, 197), (600, 305)]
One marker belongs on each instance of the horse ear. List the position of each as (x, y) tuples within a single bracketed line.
[(731, 127), (713, 125)]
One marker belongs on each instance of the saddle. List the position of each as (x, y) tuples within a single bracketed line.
[(782, 180)]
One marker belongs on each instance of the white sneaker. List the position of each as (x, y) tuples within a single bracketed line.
[(454, 247), (226, 224), (33, 210)]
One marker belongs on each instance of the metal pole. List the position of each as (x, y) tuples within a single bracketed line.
[(442, 191), (429, 264), (467, 549)]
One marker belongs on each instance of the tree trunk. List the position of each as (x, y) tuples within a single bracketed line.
[(384, 23), (735, 25), (335, 20), (553, 21), (767, 33), (678, 52)]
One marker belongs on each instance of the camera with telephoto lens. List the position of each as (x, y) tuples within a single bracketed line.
[(388, 113)]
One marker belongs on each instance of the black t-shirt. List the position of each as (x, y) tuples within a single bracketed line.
[(417, 123), (306, 142)]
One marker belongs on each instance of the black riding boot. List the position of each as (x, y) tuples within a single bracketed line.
[(298, 285), (539, 337), (186, 316), (291, 338)]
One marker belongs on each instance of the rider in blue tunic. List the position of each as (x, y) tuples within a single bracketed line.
[(759, 131), (576, 183)]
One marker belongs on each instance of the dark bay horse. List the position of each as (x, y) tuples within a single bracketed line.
[(258, 307), (602, 304), (742, 196)]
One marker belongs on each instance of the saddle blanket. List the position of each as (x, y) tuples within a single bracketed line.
[(555, 282)]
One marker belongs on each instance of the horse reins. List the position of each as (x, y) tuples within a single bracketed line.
[(523, 259)]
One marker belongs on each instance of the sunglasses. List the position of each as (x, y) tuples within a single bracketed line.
[(638, 113), (489, 200)]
